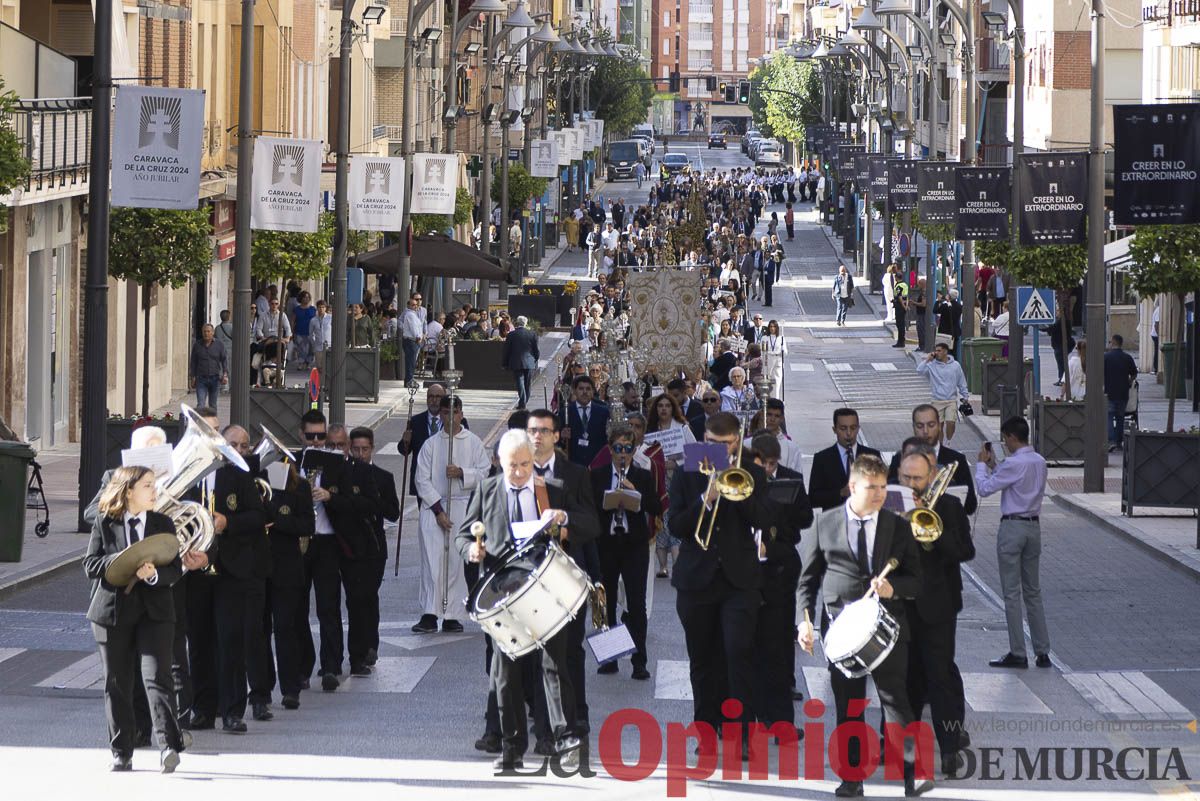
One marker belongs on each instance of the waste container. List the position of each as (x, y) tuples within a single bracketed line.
[(15, 458), (1169, 377), (975, 351)]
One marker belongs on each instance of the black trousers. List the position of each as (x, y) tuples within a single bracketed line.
[(325, 557), (282, 619), (143, 646), (932, 679), (775, 664), (576, 661), (360, 579), (377, 568), (767, 285), (241, 654), (508, 680), (623, 558), (718, 627), (181, 676), (901, 325), (791, 230), (920, 321), (890, 681), (202, 641)]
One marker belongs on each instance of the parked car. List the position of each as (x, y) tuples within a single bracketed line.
[(673, 163), (623, 157), (648, 142), (644, 132), (717, 140), (768, 152), (749, 137)]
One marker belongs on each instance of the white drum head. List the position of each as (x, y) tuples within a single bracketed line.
[(852, 628)]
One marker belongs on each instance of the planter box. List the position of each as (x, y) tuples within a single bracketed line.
[(1160, 469), (995, 374), (565, 301), (479, 361), (117, 433), (1059, 428), (541, 308), (391, 370), (280, 410), (362, 374)]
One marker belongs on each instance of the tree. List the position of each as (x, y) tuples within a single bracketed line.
[(1166, 261), (784, 95), (1059, 267), (157, 246), (464, 207), (521, 187), (13, 166), (620, 94)]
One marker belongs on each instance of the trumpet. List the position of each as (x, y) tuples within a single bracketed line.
[(927, 524), (733, 483)]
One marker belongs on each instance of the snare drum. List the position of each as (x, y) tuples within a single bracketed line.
[(529, 597), (861, 637)]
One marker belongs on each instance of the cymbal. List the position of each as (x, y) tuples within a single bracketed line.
[(158, 549)]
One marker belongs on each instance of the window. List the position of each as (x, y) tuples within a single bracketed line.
[(666, 47), (666, 19)]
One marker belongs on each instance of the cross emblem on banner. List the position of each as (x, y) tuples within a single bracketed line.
[(158, 124), (287, 167), (377, 182), (474, 166)]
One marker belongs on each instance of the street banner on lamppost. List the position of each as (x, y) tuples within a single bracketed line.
[(287, 184), (1053, 188), (564, 147), (936, 201), (1156, 160), (376, 193), (543, 158), (862, 172), (902, 184), (156, 147), (435, 183), (983, 195), (878, 169), (845, 160), (574, 142)]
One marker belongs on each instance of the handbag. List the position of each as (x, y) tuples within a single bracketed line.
[(965, 408), (1131, 405), (850, 302)]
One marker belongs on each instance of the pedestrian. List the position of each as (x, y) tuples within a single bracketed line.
[(949, 311), (572, 225), (1120, 371), (521, 356), (1155, 321), (1021, 481), (208, 367), (302, 316), (1076, 372), (900, 307), (412, 331), (789, 222), (1000, 329), (947, 384), (843, 293), (321, 334), (1060, 348), (890, 278), (920, 304), (639, 173)]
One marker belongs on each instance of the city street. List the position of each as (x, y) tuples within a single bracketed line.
[(1121, 621)]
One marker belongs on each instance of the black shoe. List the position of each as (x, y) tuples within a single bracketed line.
[(914, 788), (508, 763), (329, 682), (201, 722), (608, 668), (897, 345), (371, 658), (232, 725), (1010, 660), (291, 702), (141, 740), (1043, 661), (451, 626), (360, 670), (797, 695), (953, 764), (168, 760), (641, 674), (849, 790), (544, 748), (488, 743), (426, 625), (262, 712), (582, 729), (121, 764)]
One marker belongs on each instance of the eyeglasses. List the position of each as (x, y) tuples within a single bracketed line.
[(711, 400), (621, 448), (313, 435), (534, 431)]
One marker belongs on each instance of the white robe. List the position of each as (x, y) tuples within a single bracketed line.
[(774, 348), (432, 488)]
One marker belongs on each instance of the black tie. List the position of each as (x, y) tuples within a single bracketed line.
[(864, 560), (517, 516), (133, 532), (849, 459), (541, 471), (583, 416)]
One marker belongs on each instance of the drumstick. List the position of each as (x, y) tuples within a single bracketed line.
[(891, 565), (477, 531), (808, 621)]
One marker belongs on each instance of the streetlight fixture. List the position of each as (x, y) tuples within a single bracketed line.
[(947, 39), (431, 34), (519, 18), (894, 7), (994, 20), (373, 14), (867, 21), (472, 48)]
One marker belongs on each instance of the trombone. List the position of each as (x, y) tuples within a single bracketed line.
[(734, 484), (927, 524)]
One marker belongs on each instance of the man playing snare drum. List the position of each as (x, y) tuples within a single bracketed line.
[(843, 555)]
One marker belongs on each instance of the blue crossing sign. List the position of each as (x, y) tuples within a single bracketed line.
[(1035, 306)]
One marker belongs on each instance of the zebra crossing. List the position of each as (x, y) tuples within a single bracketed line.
[(859, 383)]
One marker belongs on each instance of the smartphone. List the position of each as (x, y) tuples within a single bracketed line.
[(988, 446)]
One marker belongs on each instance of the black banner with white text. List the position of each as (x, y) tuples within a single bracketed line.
[(936, 202), (1053, 189), (984, 195), (1156, 160)]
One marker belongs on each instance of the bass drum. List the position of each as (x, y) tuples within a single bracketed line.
[(861, 637), (529, 597)]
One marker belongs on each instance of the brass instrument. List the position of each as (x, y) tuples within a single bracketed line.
[(270, 449), (733, 483), (926, 523)]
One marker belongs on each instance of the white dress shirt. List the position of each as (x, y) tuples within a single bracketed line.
[(528, 501), (852, 531), (141, 535)]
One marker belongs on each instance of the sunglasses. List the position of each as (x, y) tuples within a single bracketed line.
[(621, 448), (711, 400), (314, 435)]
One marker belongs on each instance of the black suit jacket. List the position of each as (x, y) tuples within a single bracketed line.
[(420, 432), (388, 506), (783, 560), (828, 565), (697, 426), (732, 549), (596, 433), (638, 531), (352, 508), (828, 475), (520, 350), (962, 476), (719, 372), (693, 409), (941, 592), (583, 524), (292, 516), (242, 549), (111, 606)]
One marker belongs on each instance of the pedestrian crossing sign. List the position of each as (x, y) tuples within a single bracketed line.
[(1036, 305)]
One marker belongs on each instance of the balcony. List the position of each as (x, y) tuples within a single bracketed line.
[(55, 136), (993, 56)]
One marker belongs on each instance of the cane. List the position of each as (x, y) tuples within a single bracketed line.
[(412, 394)]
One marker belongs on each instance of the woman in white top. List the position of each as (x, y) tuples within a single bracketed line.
[(664, 415), (774, 349), (728, 271), (738, 394), (1000, 328), (1075, 371)]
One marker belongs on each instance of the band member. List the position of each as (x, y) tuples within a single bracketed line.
[(500, 501), (776, 674), (133, 628), (932, 675), (362, 448), (719, 587), (846, 547), (584, 423), (624, 543), (550, 464), (927, 427), (828, 483), (292, 520), (773, 425), (444, 486), (217, 600)]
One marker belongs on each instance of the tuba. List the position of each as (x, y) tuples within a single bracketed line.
[(200, 452), (926, 523), (270, 449)]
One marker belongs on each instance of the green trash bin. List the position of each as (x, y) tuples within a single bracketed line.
[(1168, 364), (975, 351), (15, 458)]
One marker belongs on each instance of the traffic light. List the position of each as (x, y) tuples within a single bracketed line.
[(730, 93), (674, 82), (743, 92), (710, 83)]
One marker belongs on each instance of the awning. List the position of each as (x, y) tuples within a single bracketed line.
[(436, 256), (1116, 253)]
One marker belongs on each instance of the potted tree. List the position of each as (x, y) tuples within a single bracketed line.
[(13, 166), (1162, 468), (1059, 424)]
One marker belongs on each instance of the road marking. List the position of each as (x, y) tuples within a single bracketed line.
[(1103, 698), (802, 367), (1130, 695), (833, 340), (884, 367), (9, 653), (392, 674), (995, 692), (839, 367), (84, 674), (414, 642), (672, 680)]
